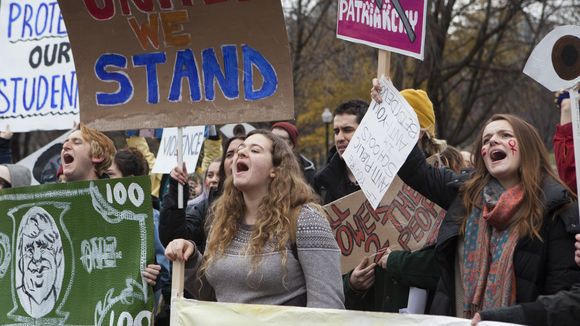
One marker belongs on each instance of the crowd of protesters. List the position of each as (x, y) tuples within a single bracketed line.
[(253, 229)]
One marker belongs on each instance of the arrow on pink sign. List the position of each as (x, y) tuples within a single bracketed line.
[(399, 9)]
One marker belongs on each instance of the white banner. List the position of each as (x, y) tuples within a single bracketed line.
[(382, 142), (38, 84), (192, 312), (167, 155)]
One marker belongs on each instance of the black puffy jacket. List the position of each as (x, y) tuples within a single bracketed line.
[(186, 223), (332, 182)]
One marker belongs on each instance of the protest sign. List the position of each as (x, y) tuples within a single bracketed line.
[(171, 63), (38, 84), (382, 142), (555, 61), (166, 158), (45, 162), (194, 313), (404, 220), (391, 25), (73, 253), (230, 130)]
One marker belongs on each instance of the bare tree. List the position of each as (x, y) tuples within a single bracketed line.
[(473, 65)]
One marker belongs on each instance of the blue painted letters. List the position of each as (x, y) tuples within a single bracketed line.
[(125, 91)]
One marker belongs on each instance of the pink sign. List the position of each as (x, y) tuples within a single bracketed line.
[(392, 25)]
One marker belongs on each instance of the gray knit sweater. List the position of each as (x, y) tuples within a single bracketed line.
[(315, 272)]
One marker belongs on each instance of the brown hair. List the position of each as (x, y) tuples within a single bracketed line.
[(101, 147), (451, 158), (131, 162), (534, 167), (278, 211)]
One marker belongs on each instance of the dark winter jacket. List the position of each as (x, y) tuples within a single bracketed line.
[(542, 267), (560, 309), (332, 182), (186, 223), (308, 169), (5, 151)]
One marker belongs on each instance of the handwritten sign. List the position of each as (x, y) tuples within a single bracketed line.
[(73, 253), (38, 82), (382, 142), (171, 63), (167, 155), (392, 25), (404, 220)]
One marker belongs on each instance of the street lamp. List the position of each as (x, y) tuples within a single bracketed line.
[(327, 119)]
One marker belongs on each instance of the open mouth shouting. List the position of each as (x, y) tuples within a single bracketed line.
[(241, 167), (497, 155), (67, 159)]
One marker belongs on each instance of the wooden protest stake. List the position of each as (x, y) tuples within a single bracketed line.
[(177, 277), (384, 64), (180, 164)]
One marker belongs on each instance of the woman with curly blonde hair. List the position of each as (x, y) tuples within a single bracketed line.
[(269, 243)]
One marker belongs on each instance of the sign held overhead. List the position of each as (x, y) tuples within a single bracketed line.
[(180, 63)]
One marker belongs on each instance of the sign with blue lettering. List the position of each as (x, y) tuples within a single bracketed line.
[(38, 84), (171, 63)]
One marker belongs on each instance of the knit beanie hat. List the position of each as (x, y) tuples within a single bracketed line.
[(290, 129), (16, 175), (423, 107)]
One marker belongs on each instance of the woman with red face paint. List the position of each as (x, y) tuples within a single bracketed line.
[(269, 243), (505, 238)]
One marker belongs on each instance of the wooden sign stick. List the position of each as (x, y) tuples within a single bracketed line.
[(180, 164), (384, 64), (177, 283)]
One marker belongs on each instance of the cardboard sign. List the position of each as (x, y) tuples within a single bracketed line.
[(405, 220), (382, 142), (171, 63), (44, 163), (73, 253), (38, 82), (166, 158), (555, 61), (392, 25)]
